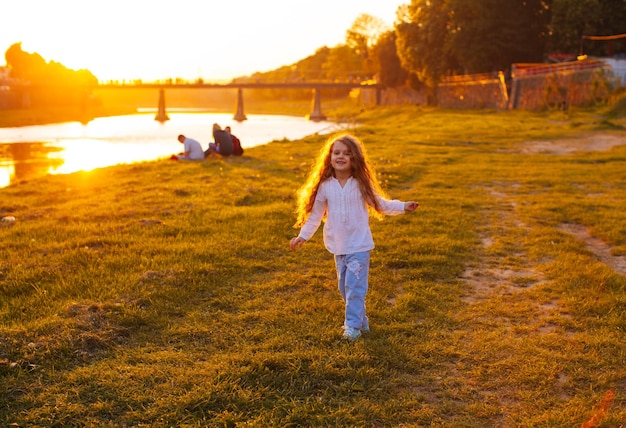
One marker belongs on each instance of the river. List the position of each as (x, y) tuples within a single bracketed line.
[(31, 151)]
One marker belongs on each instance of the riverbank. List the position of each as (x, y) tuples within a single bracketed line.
[(32, 151), (164, 293)]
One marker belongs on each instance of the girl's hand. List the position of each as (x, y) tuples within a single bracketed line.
[(296, 243), (410, 206)]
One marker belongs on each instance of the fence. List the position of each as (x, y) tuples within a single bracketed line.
[(473, 91), (529, 87), (541, 86)]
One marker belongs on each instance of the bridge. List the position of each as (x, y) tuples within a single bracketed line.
[(316, 114)]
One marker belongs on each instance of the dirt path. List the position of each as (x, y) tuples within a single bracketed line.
[(499, 297), (495, 275), (589, 142)]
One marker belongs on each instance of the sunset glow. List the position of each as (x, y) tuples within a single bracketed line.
[(86, 155), (150, 40), (69, 147), (6, 172)]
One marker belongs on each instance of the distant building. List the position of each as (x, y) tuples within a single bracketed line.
[(4, 75), (7, 99)]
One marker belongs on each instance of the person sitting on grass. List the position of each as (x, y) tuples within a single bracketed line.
[(192, 149), (237, 149), (222, 142)]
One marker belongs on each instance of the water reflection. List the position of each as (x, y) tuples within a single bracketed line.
[(26, 160), (70, 147)]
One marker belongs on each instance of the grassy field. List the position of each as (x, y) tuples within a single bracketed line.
[(164, 294)]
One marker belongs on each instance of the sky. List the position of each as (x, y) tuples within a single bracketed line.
[(190, 39)]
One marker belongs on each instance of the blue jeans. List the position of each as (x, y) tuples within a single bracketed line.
[(352, 276)]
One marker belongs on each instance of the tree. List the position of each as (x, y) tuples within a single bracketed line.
[(489, 35), (421, 40), (32, 68), (388, 67), (344, 63), (573, 19), (312, 66), (364, 33), (362, 36), (24, 66), (445, 37), (612, 19), (48, 83)]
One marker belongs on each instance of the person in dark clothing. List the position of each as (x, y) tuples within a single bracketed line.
[(222, 142), (237, 149)]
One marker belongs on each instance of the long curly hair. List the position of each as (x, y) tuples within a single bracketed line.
[(322, 170)]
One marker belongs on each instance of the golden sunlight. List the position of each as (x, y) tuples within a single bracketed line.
[(81, 155), (88, 154), (6, 172), (141, 39)]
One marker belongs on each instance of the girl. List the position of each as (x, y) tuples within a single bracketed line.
[(342, 189)]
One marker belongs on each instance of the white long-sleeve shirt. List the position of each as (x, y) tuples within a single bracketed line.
[(346, 230)]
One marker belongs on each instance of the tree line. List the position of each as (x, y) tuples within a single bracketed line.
[(430, 39), (40, 83)]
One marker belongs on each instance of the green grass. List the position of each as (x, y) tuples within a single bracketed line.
[(164, 293)]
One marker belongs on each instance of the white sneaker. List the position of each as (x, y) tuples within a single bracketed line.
[(351, 334)]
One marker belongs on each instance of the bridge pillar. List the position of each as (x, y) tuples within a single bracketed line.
[(316, 113), (161, 115), (239, 114)]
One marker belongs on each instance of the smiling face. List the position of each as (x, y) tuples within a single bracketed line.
[(341, 159)]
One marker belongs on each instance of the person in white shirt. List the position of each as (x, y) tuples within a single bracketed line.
[(342, 189), (192, 150)]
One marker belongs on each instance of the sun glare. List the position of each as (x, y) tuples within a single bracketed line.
[(88, 154), (82, 155), (6, 172), (130, 40)]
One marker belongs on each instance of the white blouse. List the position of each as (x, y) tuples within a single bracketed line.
[(346, 230)]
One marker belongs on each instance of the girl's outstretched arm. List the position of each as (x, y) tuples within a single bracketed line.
[(296, 243), (410, 206)]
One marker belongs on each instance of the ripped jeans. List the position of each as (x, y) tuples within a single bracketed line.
[(352, 276)]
